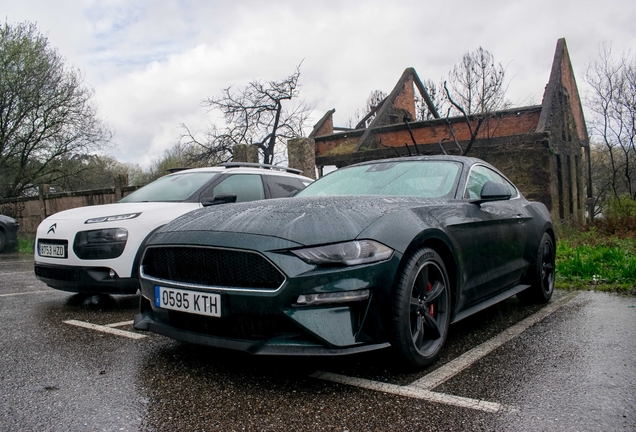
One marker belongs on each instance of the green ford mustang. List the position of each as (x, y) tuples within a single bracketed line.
[(380, 254)]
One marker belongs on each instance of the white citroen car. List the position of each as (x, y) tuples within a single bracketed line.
[(96, 249)]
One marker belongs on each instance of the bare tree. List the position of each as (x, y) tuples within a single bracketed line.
[(612, 105), (259, 114), (215, 147), (46, 111), (363, 119), (475, 89), (437, 95)]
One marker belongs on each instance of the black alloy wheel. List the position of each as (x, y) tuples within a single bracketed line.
[(421, 309), (542, 275)]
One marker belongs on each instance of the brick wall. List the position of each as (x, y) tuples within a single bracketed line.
[(431, 132)]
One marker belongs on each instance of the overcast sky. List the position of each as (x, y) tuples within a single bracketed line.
[(151, 63)]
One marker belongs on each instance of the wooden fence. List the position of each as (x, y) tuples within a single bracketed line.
[(32, 210)]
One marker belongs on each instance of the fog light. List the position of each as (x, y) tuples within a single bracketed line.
[(334, 297), (112, 274)]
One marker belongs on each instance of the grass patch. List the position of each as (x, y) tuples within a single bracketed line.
[(342, 149), (25, 243), (599, 257)]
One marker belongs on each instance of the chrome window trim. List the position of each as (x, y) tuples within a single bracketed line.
[(463, 195)]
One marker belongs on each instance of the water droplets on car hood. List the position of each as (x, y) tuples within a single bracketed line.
[(310, 220)]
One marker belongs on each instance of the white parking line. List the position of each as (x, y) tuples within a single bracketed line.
[(454, 367), (106, 329), (24, 293), (121, 324), (413, 392), (16, 273), (421, 389)]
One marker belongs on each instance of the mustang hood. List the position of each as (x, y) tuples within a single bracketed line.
[(303, 220)]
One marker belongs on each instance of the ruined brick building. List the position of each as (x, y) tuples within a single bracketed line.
[(543, 149)]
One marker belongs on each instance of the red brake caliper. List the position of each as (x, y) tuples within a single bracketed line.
[(431, 308)]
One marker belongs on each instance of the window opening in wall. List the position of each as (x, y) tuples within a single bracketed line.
[(563, 132), (564, 119), (560, 186), (577, 176), (568, 161)]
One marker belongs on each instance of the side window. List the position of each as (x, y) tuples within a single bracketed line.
[(246, 187), (282, 187), (479, 176)]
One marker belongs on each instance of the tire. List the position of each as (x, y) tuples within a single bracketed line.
[(3, 242), (421, 309), (542, 275)]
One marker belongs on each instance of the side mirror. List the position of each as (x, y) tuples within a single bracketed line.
[(220, 199), (493, 191)]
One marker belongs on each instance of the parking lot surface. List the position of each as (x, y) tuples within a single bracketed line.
[(71, 362)]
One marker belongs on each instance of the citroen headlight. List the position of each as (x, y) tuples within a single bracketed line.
[(347, 253), (100, 244), (112, 218)]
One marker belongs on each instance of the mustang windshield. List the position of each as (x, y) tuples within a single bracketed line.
[(174, 187), (427, 179)]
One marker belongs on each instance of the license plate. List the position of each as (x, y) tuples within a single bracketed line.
[(52, 250), (195, 302)]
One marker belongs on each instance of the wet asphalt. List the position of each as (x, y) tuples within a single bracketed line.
[(575, 370)]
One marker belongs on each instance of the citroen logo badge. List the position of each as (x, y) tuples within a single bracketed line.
[(52, 229)]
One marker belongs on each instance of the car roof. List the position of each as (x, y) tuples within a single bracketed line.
[(247, 168), (463, 159)]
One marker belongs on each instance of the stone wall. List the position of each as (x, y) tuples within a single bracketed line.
[(301, 155), (524, 159), (567, 167)]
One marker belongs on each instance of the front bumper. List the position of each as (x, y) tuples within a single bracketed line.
[(90, 280), (283, 345), (271, 323)]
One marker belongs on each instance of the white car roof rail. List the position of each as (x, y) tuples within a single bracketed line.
[(259, 165)]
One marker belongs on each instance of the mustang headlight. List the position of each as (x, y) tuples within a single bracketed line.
[(112, 218), (348, 253)]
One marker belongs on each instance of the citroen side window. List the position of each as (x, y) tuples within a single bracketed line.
[(246, 187)]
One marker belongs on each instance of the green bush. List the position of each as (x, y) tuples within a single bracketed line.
[(619, 207)]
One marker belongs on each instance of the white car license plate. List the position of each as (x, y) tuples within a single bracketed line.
[(188, 301), (52, 250)]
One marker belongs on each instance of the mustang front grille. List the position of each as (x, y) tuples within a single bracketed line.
[(211, 267)]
